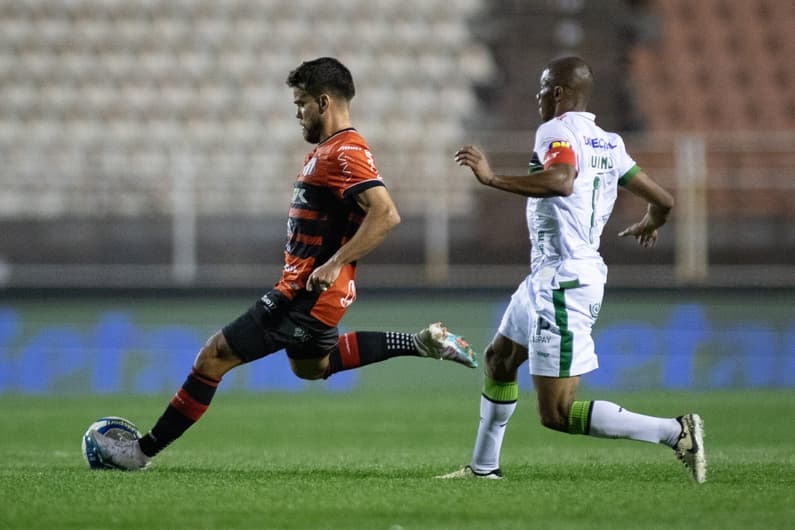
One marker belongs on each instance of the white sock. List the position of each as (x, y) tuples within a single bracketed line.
[(493, 420), (609, 420)]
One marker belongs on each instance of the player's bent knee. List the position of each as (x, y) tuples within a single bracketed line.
[(554, 422), (310, 371), (502, 362), (554, 419), (309, 375)]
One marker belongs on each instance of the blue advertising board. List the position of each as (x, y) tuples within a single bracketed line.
[(669, 345)]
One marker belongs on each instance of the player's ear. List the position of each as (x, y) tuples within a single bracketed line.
[(323, 103), (557, 92)]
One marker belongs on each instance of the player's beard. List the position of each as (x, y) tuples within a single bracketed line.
[(312, 132)]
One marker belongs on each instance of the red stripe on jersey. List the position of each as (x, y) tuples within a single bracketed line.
[(560, 154), (187, 406), (300, 213), (349, 351), (296, 271), (332, 304), (308, 240)]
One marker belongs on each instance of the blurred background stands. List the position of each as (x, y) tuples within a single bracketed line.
[(145, 142)]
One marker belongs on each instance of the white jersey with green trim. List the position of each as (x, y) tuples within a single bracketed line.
[(565, 231)]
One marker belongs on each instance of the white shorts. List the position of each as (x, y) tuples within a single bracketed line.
[(555, 325)]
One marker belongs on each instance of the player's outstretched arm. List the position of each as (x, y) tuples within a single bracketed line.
[(555, 181), (660, 204), (381, 216)]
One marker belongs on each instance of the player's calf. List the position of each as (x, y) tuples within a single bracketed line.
[(555, 398), (361, 348), (216, 357)]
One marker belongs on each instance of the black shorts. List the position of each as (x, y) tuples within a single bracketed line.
[(261, 331)]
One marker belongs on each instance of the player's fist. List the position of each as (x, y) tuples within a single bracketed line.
[(323, 277)]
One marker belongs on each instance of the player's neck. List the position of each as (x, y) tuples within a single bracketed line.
[(570, 106), (335, 124)]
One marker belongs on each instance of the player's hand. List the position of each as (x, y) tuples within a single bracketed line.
[(644, 231), (473, 158), (323, 277)]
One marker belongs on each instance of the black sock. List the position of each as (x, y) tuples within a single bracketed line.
[(361, 348), (185, 409)]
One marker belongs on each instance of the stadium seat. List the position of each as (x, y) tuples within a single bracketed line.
[(113, 87)]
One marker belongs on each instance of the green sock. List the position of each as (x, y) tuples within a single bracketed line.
[(500, 392), (580, 417)]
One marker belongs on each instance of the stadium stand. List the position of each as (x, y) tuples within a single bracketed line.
[(719, 66), (107, 105), (99, 98), (718, 69), (724, 70)]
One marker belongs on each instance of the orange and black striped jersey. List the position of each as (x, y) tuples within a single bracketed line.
[(323, 216)]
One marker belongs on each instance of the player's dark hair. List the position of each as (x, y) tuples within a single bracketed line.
[(325, 74), (572, 72)]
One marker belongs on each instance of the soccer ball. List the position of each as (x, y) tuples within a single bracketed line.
[(111, 426)]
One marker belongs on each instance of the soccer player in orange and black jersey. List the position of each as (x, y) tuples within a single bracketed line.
[(324, 215), (340, 211)]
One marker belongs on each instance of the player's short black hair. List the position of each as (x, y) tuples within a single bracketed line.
[(325, 74)]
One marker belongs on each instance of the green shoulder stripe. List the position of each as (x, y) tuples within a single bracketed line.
[(626, 177)]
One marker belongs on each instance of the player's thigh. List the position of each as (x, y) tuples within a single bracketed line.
[(515, 324), (312, 341), (256, 334), (561, 344), (309, 353)]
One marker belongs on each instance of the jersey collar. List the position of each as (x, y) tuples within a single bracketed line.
[(587, 115), (335, 134)]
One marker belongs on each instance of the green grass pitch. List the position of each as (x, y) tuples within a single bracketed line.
[(366, 458)]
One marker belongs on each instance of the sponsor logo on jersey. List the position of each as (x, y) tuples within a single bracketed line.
[(350, 297), (346, 170), (594, 310), (598, 143), (309, 168), (270, 304), (299, 196), (559, 144), (601, 162), (371, 162), (300, 334)]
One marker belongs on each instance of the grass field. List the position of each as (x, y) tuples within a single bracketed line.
[(365, 459)]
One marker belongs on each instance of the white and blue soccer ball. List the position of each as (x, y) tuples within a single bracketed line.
[(112, 426)]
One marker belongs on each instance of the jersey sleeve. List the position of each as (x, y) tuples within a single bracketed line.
[(626, 166), (354, 170), (555, 144)]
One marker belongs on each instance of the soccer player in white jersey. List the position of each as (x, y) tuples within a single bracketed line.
[(571, 188)]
